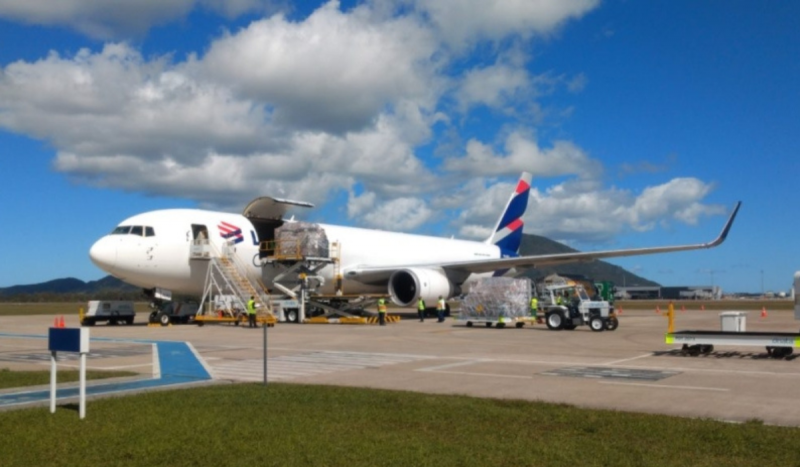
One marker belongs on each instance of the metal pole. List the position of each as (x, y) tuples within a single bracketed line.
[(53, 373), (82, 403), (265, 352)]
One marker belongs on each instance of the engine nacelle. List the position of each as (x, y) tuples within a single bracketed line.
[(406, 286)]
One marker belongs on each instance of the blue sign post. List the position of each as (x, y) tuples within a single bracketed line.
[(68, 340)]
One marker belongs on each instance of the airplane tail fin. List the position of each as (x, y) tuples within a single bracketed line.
[(507, 233)]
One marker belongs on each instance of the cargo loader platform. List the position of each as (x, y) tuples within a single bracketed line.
[(778, 344)]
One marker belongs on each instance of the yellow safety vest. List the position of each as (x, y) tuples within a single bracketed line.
[(441, 305), (534, 303), (421, 305), (251, 307), (381, 306)]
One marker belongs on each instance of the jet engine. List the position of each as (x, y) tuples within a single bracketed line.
[(406, 286)]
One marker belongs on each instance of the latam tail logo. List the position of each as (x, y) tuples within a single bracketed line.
[(508, 233), (230, 232)]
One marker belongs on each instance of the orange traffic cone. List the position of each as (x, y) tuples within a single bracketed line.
[(683, 308), (658, 310), (61, 322), (763, 312)]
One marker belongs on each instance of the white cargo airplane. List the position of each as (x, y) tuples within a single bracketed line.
[(152, 250)]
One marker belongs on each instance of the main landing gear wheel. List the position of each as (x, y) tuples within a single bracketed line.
[(469, 324), (292, 315), (488, 325), (555, 320), (597, 324)]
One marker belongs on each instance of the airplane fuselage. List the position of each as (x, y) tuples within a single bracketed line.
[(163, 259)]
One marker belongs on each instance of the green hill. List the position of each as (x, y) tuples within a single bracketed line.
[(595, 270)]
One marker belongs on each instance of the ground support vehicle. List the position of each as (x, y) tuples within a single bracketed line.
[(778, 344), (173, 313), (569, 306), (498, 322), (111, 311)]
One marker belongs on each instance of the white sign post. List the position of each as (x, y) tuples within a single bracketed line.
[(68, 340)]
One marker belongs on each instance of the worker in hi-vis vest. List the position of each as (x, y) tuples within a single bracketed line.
[(382, 311), (534, 307), (440, 307), (421, 309), (251, 312)]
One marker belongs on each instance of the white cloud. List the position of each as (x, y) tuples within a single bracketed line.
[(338, 100), (493, 86), (107, 19), (400, 214), (461, 22), (524, 154), (577, 211), (333, 72)]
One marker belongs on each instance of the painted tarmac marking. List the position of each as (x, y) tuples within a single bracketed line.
[(617, 362), (611, 373), (176, 364), (665, 386), (287, 367)]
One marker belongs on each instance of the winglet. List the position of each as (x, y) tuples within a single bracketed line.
[(724, 234)]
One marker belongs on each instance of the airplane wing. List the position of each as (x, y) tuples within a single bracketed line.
[(464, 268)]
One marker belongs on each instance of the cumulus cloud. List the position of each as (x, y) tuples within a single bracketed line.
[(333, 72), (524, 154), (403, 214), (338, 102), (461, 22), (105, 19), (493, 86), (586, 212)]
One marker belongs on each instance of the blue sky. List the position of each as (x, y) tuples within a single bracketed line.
[(642, 122)]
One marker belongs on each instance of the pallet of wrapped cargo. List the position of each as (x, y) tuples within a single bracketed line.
[(301, 240), (497, 300)]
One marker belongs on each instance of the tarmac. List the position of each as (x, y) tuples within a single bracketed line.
[(630, 369)]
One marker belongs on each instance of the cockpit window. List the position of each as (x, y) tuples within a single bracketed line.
[(136, 230), (121, 230), (149, 232)]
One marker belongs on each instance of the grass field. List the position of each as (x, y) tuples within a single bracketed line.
[(17, 379), (294, 425)]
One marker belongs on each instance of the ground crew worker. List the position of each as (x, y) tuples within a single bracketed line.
[(440, 307), (421, 309), (382, 311), (534, 307), (251, 312), (559, 300)]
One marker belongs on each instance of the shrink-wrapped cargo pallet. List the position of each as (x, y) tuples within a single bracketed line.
[(304, 239), (495, 298)]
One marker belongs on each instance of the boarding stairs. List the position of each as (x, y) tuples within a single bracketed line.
[(227, 275)]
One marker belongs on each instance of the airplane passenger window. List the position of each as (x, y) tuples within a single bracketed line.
[(149, 232), (121, 230), (136, 230)]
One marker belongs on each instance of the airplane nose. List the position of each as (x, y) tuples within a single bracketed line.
[(104, 254)]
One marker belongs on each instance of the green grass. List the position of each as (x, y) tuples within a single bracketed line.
[(294, 425), (17, 379), (56, 308)]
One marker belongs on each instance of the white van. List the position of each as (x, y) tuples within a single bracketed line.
[(113, 311)]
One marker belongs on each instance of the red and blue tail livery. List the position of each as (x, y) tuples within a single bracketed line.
[(508, 232)]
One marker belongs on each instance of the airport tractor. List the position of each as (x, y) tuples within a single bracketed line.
[(569, 306)]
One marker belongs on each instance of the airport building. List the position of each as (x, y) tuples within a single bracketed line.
[(713, 292)]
